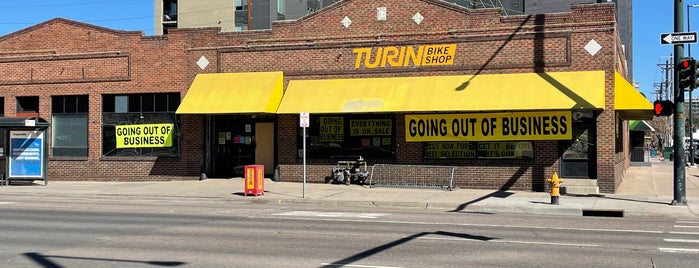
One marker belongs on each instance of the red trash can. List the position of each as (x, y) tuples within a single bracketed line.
[(254, 180)]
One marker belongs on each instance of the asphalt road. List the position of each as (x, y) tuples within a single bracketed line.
[(64, 232)]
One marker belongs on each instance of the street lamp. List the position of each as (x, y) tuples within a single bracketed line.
[(692, 154)]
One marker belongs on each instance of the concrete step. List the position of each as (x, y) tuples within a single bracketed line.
[(579, 186)]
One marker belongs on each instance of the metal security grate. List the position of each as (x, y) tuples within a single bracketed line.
[(412, 176)]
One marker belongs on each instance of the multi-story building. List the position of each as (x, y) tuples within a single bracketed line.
[(230, 15), (259, 14), (624, 16)]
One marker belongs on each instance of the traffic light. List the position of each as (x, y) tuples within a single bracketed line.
[(662, 108), (687, 69)]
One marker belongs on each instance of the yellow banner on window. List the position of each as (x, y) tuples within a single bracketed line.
[(332, 128), (144, 136), (549, 125)]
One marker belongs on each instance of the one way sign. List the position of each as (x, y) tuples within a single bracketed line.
[(678, 38)]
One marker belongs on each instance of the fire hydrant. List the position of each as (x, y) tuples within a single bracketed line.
[(555, 188)]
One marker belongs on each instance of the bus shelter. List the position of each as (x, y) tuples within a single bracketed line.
[(24, 148)]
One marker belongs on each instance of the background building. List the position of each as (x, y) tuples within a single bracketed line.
[(241, 15), (518, 7), (230, 15)]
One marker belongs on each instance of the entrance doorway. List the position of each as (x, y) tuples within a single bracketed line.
[(579, 155), (239, 140)]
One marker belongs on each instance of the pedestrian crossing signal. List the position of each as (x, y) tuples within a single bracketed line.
[(662, 108)]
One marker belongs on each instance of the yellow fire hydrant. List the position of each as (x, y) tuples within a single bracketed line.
[(555, 182)]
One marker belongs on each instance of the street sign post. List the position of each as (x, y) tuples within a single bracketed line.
[(678, 38), (304, 122), (304, 119)]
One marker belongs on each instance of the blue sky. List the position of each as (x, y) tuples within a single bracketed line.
[(650, 19), (117, 14)]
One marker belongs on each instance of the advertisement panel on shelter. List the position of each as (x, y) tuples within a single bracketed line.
[(26, 154)]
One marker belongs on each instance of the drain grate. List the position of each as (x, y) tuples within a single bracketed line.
[(619, 213)]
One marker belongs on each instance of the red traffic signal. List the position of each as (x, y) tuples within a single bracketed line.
[(662, 108), (687, 70)]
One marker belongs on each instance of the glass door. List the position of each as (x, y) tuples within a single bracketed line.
[(578, 156)]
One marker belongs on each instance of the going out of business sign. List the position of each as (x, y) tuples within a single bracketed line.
[(144, 135), (548, 125), (26, 154)]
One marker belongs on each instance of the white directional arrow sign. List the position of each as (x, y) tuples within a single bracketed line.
[(678, 38)]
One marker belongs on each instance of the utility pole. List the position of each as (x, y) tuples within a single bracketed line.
[(678, 135), (664, 124)]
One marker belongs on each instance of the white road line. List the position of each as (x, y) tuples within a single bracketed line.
[(681, 240), (545, 243), (357, 265), (5, 203), (512, 241), (346, 219), (679, 250), (684, 233), (447, 238), (686, 226), (332, 214)]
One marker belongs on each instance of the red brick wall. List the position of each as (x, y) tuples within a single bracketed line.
[(62, 57)]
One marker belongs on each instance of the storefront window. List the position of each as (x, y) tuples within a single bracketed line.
[(69, 125), (348, 136), (147, 125), (479, 150)]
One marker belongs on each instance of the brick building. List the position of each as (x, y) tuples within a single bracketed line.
[(507, 100)]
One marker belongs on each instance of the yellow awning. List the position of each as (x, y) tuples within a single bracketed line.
[(233, 93), (492, 92), (628, 102)]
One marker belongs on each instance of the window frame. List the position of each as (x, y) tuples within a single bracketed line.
[(380, 146), (139, 113), (69, 106)]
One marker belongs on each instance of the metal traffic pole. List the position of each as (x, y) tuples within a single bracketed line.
[(678, 135)]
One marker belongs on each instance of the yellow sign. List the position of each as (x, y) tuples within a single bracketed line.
[(549, 125), (505, 150), (449, 150), (405, 56), (371, 127), (143, 136), (472, 150), (332, 128), (250, 178)]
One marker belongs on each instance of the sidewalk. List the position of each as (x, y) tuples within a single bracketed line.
[(645, 191)]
